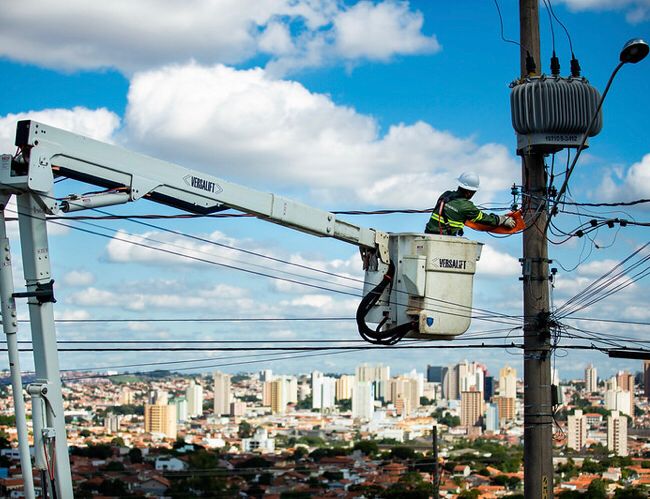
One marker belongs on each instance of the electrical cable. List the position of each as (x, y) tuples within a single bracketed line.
[(444, 304)]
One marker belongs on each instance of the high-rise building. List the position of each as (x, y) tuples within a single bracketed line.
[(646, 378), (112, 422), (181, 410), (591, 379), (577, 430), (323, 391), (435, 374), (266, 375), (363, 402), (237, 408), (378, 375), (194, 397), (620, 400), (462, 377), (279, 392), (617, 434), (471, 408), (625, 382), (508, 382), (344, 387), (488, 388), (277, 396), (126, 396), (492, 418), (160, 418), (222, 393), (159, 397), (405, 389), (506, 407)]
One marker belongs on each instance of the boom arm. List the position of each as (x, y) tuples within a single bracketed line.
[(49, 151)]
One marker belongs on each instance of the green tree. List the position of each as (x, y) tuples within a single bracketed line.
[(402, 453), (469, 494), (368, 447), (299, 453), (245, 429), (345, 404), (631, 493), (114, 466), (118, 442), (135, 455), (113, 488), (596, 490)]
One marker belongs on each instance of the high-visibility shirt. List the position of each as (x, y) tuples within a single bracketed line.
[(452, 211)]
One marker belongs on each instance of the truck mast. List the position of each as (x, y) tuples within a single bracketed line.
[(416, 285)]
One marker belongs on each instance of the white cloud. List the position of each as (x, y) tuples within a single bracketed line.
[(76, 315), (320, 305), (98, 124), (246, 126), (636, 11), (496, 263), (177, 299), (79, 278), (628, 185), (132, 36), (377, 31)]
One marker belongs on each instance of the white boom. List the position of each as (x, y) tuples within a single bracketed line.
[(416, 285)]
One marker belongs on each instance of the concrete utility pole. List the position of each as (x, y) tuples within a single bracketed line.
[(538, 420)]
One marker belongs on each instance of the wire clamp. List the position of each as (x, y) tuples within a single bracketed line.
[(44, 293)]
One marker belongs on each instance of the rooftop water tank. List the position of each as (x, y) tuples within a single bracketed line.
[(550, 113)]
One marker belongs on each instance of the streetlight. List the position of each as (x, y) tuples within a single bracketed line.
[(633, 51)]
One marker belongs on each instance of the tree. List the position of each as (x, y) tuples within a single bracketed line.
[(402, 453), (114, 466), (135, 455), (631, 493), (469, 494), (299, 453), (118, 442), (368, 447), (345, 404), (596, 490), (245, 429)]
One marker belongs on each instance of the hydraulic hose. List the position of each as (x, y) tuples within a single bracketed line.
[(377, 337)]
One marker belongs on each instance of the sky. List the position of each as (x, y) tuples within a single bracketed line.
[(343, 105)]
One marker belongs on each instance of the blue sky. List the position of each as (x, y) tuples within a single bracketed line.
[(343, 105)]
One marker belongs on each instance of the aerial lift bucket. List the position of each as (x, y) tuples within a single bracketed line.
[(429, 295)]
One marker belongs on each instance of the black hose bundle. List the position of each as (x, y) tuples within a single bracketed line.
[(377, 337)]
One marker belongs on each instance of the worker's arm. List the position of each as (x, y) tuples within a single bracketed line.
[(473, 214)]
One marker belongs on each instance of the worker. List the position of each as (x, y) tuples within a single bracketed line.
[(454, 208)]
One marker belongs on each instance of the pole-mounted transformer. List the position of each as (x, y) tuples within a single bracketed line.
[(550, 113)]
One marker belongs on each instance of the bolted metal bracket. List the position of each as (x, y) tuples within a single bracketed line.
[(44, 293)]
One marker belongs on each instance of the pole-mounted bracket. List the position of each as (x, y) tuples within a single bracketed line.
[(44, 293)]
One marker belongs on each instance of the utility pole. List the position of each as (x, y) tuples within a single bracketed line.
[(538, 420), (436, 470)]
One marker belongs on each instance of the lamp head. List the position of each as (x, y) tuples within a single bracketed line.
[(634, 51)]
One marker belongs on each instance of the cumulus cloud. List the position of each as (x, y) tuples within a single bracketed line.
[(79, 278), (245, 125), (134, 35), (71, 315), (98, 124), (158, 299), (320, 305), (636, 11), (627, 185), (496, 263)]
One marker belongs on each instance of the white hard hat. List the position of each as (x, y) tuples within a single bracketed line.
[(469, 181)]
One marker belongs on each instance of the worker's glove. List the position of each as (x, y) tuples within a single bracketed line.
[(507, 221)]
